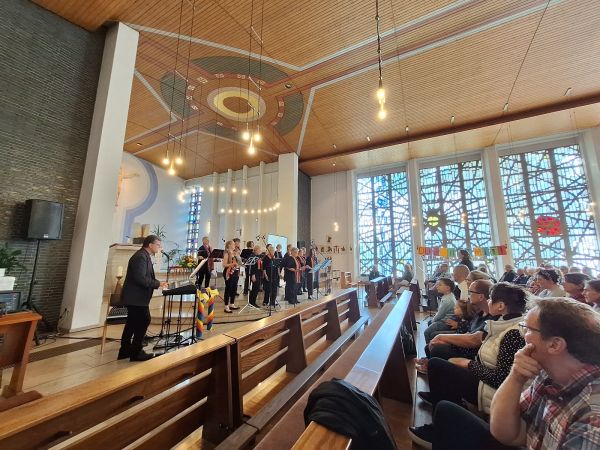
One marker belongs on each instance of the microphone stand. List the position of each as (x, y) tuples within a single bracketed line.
[(166, 255)]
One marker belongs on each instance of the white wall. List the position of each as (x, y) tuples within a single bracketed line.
[(262, 193), (149, 195), (332, 201)]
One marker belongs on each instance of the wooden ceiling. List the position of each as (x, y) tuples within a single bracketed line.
[(318, 72)]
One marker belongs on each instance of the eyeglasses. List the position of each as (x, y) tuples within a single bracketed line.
[(474, 292), (523, 328)]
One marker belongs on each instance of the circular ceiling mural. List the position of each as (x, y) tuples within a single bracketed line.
[(237, 104)]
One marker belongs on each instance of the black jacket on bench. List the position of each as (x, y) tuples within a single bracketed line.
[(345, 409)]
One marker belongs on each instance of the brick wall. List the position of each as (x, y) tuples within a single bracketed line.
[(304, 208), (49, 72)]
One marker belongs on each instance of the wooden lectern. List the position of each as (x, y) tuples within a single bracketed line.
[(16, 331)]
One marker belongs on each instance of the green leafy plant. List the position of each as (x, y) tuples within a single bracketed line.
[(159, 231), (8, 259)]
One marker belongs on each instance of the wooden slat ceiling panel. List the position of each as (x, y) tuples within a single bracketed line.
[(460, 79), (444, 146), (463, 60)]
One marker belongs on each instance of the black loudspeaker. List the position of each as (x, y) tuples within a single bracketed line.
[(45, 219), (301, 244)]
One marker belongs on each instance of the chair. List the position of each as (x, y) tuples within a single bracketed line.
[(346, 281), (115, 313)]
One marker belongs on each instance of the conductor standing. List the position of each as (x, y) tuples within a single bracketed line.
[(138, 287)]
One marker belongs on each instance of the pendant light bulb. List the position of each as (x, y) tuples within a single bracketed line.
[(382, 114), (172, 170), (381, 94), (246, 135), (179, 160), (222, 188), (244, 191), (257, 137), (234, 189), (166, 161), (211, 189), (251, 149)]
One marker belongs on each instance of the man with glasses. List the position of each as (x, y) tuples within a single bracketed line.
[(561, 406), (138, 287)]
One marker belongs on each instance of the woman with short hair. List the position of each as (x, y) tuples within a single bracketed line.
[(574, 284), (549, 283)]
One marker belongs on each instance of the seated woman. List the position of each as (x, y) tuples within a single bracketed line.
[(548, 281), (407, 275), (374, 273), (591, 292), (437, 325), (476, 381), (574, 283)]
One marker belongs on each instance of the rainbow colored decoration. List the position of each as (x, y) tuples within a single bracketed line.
[(446, 252), (206, 310)]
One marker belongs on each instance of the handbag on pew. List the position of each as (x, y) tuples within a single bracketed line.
[(408, 342)]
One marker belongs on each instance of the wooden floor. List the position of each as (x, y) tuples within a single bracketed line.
[(70, 369)]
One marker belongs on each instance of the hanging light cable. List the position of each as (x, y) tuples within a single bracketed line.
[(382, 114), (166, 160)]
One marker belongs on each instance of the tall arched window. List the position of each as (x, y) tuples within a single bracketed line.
[(548, 208), (384, 223)]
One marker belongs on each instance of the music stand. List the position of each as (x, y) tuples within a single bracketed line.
[(251, 261), (320, 266)]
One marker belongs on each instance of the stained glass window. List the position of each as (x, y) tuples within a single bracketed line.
[(193, 222), (384, 223), (548, 208), (454, 205)]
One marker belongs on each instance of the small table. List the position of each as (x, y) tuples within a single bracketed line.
[(17, 330)]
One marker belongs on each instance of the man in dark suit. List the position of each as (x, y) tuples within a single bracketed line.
[(138, 287), (205, 271)]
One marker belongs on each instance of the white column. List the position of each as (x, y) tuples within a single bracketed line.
[(352, 232), (261, 180), (496, 205), (242, 205), (287, 190), (89, 250), (228, 227), (414, 190), (215, 218), (590, 150)]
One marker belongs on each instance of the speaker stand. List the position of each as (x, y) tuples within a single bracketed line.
[(29, 304)]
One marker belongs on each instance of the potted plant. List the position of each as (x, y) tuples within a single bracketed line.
[(8, 259)]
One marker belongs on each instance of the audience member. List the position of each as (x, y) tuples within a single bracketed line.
[(573, 270), (509, 274), (560, 409), (465, 259), (374, 273), (445, 287), (522, 277), (548, 281), (450, 345), (476, 381), (588, 271), (460, 274), (574, 283), (475, 275), (591, 293), (407, 274), (564, 270)]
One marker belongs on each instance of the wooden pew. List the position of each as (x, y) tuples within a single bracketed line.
[(378, 288), (264, 347), (290, 427), (387, 298), (337, 318), (153, 404), (381, 370)]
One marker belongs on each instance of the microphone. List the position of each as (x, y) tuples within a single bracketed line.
[(165, 254)]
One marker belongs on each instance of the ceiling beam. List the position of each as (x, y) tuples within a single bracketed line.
[(498, 120)]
